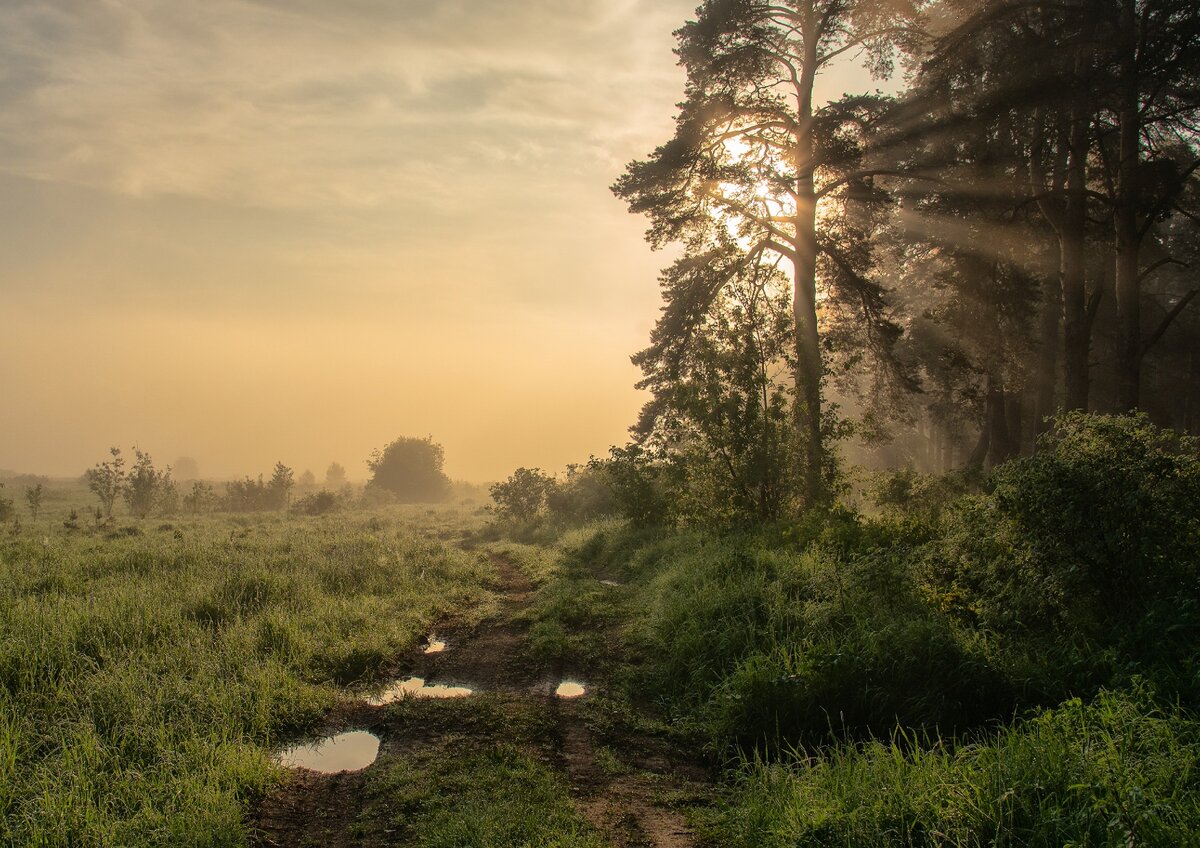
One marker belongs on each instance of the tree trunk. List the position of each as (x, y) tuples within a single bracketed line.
[(1014, 418), (1047, 377), (1073, 270), (980, 451), (1000, 448), (1128, 283), (809, 364), (809, 367), (1193, 383)]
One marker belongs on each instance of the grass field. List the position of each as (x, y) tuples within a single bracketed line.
[(148, 669), (826, 696)]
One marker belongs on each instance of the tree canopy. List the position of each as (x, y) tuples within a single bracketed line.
[(771, 192), (954, 264), (411, 470)]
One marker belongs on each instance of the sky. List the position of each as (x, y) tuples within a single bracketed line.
[(250, 231)]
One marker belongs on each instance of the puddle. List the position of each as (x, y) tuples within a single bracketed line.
[(345, 752), (568, 689), (415, 687), (610, 583), (434, 645)]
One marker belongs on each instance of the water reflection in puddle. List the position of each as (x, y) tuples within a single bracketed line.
[(435, 645), (345, 752), (415, 687), (569, 689)]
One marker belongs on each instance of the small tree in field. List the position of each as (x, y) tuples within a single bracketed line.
[(146, 487), (522, 497), (248, 495), (200, 499), (166, 500), (279, 487), (308, 480), (411, 469), (33, 499), (107, 479), (6, 507), (335, 476)]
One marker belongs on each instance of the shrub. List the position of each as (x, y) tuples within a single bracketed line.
[(907, 493), (146, 488), (636, 484), (1119, 771), (1092, 533), (248, 495), (585, 495), (763, 645), (316, 503), (200, 499), (33, 499), (411, 469), (279, 487), (522, 497), (107, 480)]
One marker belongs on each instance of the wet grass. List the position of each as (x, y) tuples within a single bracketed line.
[(146, 672), (146, 675), (573, 616), (847, 711), (486, 778), (1119, 771), (495, 796)]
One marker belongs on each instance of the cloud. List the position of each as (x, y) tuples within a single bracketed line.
[(238, 207), (311, 104)]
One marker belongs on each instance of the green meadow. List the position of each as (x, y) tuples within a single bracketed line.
[(148, 669), (934, 661)]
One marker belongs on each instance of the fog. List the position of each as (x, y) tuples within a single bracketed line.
[(250, 232)]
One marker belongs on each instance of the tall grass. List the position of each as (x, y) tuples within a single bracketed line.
[(144, 678), (759, 641), (1120, 771)]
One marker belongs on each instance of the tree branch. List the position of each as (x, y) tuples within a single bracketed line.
[(1168, 260), (1166, 322)]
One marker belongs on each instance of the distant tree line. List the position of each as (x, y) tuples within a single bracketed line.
[(1013, 235), (407, 470)]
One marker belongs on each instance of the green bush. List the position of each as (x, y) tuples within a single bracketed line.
[(1092, 543), (522, 497), (585, 495), (411, 470), (317, 503), (760, 643), (636, 483)]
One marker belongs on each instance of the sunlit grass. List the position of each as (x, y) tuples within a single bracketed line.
[(1120, 771), (144, 678)]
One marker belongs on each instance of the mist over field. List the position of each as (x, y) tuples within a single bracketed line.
[(675, 423), (211, 248)]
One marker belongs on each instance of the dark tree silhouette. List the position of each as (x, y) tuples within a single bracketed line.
[(411, 469), (758, 174)]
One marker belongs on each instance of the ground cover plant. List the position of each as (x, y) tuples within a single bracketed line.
[(1122, 770), (962, 666), (486, 780), (146, 675)]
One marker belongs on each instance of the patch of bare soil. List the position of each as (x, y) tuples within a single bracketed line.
[(627, 808), (621, 788), (312, 810)]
